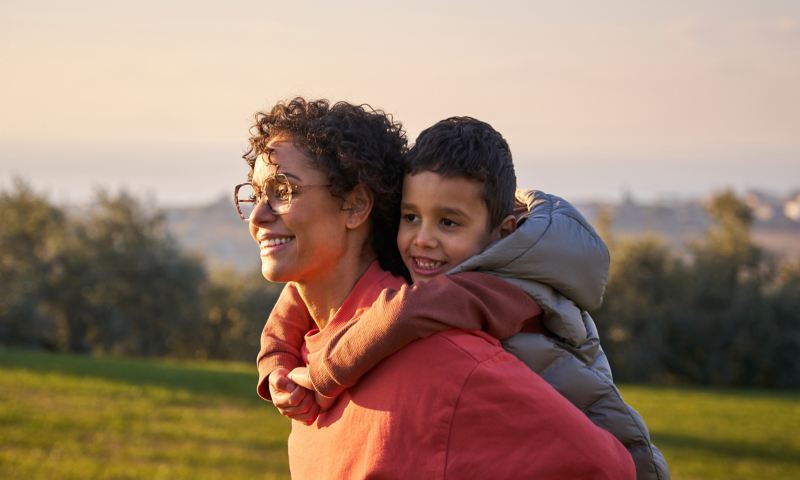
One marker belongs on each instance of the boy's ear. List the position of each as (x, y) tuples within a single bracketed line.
[(507, 226), (358, 205)]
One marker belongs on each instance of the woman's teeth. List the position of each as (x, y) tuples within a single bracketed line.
[(273, 242)]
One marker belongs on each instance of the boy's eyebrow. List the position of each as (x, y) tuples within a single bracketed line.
[(439, 210), (452, 211)]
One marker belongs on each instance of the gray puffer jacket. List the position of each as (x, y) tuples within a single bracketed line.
[(559, 260)]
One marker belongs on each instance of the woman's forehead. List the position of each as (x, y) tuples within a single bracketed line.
[(283, 156), (282, 150)]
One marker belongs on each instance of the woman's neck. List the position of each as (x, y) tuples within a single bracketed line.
[(327, 292)]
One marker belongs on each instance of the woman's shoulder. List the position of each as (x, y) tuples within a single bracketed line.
[(458, 351)]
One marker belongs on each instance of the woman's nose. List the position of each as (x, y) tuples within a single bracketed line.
[(262, 213)]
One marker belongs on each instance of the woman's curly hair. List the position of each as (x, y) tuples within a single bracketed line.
[(352, 144)]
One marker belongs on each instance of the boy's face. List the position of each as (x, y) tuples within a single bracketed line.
[(443, 221)]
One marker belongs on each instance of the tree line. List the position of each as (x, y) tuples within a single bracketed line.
[(112, 280), (723, 312)]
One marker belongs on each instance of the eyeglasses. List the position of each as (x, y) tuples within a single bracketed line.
[(276, 191)]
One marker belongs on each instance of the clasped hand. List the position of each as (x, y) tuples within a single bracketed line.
[(294, 396)]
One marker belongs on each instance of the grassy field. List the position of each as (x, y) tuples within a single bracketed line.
[(68, 417)]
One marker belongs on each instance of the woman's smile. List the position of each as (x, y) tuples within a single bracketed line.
[(271, 245)]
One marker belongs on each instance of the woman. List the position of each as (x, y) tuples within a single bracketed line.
[(326, 183)]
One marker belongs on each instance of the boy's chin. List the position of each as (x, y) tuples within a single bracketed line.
[(417, 277)]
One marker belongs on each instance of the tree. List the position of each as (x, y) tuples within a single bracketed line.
[(236, 307), (640, 303), (137, 293), (31, 236), (784, 332)]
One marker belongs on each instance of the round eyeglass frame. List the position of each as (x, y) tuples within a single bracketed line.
[(293, 190)]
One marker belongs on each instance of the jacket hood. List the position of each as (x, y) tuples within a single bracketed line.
[(556, 256)]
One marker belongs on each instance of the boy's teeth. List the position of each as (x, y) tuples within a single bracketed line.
[(271, 242), (428, 264)]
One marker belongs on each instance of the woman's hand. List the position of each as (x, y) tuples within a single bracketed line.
[(291, 399), (301, 377)]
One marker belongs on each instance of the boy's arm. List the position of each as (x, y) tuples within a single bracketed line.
[(282, 337), (469, 300)]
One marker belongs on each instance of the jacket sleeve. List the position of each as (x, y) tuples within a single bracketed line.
[(282, 337), (469, 301), (534, 433), (554, 245)]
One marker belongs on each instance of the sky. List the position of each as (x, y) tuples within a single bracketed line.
[(596, 99)]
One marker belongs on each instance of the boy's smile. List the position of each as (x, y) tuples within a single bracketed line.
[(443, 221)]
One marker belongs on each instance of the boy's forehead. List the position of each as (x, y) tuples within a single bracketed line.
[(428, 175), (431, 189)]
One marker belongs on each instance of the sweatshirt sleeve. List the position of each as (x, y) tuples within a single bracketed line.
[(469, 301), (540, 434), (282, 337)]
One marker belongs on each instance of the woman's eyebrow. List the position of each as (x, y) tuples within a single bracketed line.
[(292, 176)]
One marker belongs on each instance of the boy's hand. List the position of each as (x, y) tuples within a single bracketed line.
[(290, 399), (301, 377)]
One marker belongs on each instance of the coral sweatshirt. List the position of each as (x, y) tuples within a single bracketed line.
[(453, 405), (398, 316)]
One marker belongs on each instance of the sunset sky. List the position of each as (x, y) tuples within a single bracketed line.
[(595, 98)]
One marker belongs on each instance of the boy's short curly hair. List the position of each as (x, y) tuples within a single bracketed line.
[(352, 144), (469, 148)]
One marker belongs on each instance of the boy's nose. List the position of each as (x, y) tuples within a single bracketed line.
[(423, 239)]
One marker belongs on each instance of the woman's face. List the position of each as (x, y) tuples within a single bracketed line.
[(306, 242)]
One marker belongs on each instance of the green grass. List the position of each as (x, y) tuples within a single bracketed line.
[(71, 417), (723, 434)]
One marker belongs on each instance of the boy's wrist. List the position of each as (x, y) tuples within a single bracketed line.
[(270, 363), (324, 382)]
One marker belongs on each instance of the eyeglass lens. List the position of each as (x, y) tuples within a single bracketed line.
[(277, 189), (246, 200)]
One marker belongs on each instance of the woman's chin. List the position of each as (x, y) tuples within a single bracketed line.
[(272, 274)]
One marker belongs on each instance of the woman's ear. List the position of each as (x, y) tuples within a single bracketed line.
[(358, 205), (507, 226)]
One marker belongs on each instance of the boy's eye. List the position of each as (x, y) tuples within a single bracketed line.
[(446, 222), (409, 217)]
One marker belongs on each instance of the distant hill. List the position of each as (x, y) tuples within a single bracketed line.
[(776, 226), (216, 232)]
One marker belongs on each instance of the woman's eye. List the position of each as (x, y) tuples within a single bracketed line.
[(283, 192)]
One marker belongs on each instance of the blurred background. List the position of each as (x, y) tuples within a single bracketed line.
[(130, 291)]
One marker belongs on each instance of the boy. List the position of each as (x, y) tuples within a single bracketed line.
[(458, 199)]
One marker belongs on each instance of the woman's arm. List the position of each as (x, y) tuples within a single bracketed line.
[(470, 301)]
